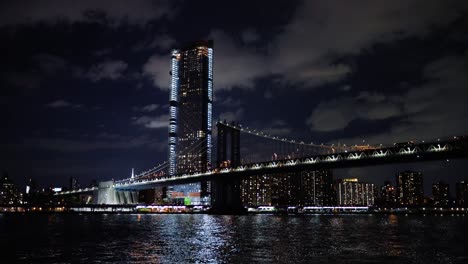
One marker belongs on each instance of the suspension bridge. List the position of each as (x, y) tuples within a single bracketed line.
[(244, 152)]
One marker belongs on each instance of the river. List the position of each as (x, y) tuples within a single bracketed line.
[(201, 238)]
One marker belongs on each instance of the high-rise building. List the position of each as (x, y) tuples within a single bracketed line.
[(292, 189), (351, 192), (317, 188), (256, 190), (387, 194), (190, 110), (461, 193), (410, 189), (9, 194), (440, 192)]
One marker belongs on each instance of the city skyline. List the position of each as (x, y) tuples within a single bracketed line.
[(95, 111)]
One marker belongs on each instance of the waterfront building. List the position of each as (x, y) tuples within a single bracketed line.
[(440, 192), (290, 189), (387, 194), (256, 190), (317, 188), (190, 123), (9, 194), (461, 193), (410, 191), (351, 192)]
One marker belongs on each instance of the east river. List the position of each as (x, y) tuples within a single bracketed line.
[(201, 238)]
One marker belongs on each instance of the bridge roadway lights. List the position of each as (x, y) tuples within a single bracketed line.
[(226, 196)]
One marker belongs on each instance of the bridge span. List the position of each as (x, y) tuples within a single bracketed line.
[(225, 194), (440, 150)]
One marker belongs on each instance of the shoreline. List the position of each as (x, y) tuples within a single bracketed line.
[(428, 213)]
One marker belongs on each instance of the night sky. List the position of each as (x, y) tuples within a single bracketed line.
[(84, 84)]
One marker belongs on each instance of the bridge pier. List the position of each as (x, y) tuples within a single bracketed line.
[(107, 194), (226, 191), (226, 196)]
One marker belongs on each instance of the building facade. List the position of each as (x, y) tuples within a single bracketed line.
[(289, 189), (351, 192), (9, 194), (387, 194), (190, 113), (440, 192), (410, 191), (461, 193)]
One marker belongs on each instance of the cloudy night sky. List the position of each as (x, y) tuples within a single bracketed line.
[(85, 84)]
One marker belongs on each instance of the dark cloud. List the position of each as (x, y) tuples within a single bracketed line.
[(277, 127), (110, 70), (250, 36), (50, 64), (52, 11), (339, 113), (156, 68), (232, 116), (85, 145), (229, 101), (25, 82), (161, 121), (146, 108), (63, 104), (434, 109), (236, 65), (307, 50), (162, 42)]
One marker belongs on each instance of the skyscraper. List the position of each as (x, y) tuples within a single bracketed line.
[(190, 107), (410, 188)]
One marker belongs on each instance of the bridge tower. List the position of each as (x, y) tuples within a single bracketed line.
[(228, 143), (226, 191)]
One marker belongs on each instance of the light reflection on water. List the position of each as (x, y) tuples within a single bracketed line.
[(233, 239)]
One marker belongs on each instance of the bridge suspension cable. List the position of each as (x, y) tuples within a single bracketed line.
[(194, 147), (262, 134)]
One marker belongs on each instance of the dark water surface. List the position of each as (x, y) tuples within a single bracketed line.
[(137, 238)]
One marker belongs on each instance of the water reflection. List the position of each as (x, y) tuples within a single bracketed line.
[(233, 239)]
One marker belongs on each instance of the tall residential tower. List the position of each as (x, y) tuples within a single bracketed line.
[(190, 124)]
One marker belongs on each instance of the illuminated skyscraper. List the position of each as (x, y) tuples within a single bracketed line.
[(190, 123), (410, 188)]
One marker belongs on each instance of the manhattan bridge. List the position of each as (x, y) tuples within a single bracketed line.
[(243, 152)]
